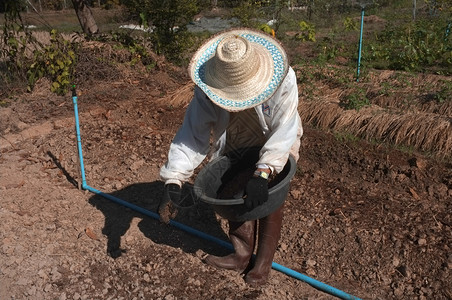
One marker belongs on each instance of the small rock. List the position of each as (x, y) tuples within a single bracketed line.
[(42, 273), (386, 280), (31, 291), (22, 281), (398, 292), (51, 227), (21, 125), (311, 262), (417, 162), (395, 261), (55, 275), (404, 271), (136, 165), (311, 272), (283, 246), (295, 194)]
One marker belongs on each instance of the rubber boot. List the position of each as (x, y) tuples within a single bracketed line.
[(269, 234), (242, 236)]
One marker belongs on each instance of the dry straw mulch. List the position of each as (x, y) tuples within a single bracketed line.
[(180, 97), (422, 130)]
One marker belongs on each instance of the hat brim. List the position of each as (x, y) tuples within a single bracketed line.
[(273, 67)]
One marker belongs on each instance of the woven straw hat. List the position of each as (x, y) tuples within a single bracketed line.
[(239, 68)]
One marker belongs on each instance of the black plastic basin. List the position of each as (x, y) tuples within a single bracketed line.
[(220, 170)]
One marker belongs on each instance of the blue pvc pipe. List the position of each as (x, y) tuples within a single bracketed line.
[(360, 44), (79, 139), (315, 283)]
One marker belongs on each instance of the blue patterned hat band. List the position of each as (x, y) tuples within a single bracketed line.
[(239, 68)]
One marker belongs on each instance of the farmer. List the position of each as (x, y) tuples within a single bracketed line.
[(245, 96)]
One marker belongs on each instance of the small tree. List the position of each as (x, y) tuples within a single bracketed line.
[(24, 58), (168, 19)]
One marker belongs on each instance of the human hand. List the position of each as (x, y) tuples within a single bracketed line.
[(171, 195), (256, 192)]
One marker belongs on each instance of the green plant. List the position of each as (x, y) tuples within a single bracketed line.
[(413, 47), (355, 100), (404, 79), (168, 21), (306, 77), (306, 32), (345, 137), (444, 94), (350, 24), (248, 12), (137, 47), (386, 89), (328, 49), (14, 39), (56, 62), (266, 28)]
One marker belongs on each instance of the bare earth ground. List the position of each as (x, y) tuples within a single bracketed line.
[(364, 218)]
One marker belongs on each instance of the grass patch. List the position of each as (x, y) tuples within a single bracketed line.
[(345, 137)]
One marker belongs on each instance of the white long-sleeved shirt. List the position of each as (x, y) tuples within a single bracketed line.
[(278, 117)]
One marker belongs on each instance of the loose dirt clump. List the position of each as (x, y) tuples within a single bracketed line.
[(362, 217)]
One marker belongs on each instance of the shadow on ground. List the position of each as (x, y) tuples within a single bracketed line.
[(147, 196)]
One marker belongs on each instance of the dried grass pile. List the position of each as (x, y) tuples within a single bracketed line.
[(422, 130), (180, 97)]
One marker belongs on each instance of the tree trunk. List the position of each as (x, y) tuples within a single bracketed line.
[(85, 17)]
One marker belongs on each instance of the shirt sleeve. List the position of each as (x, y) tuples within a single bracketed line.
[(284, 125), (191, 142)]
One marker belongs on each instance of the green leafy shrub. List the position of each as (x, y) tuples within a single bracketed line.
[(356, 100), (137, 47), (56, 62), (444, 94), (414, 47), (306, 76), (168, 20), (266, 28), (249, 12), (328, 49), (350, 24), (307, 31), (13, 44), (24, 56)]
